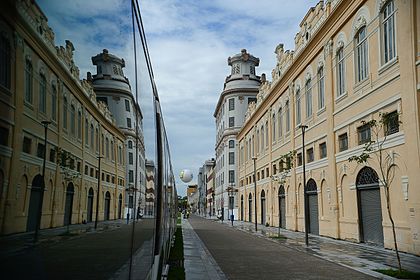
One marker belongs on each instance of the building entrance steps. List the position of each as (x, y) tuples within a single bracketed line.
[(359, 256), (198, 262)]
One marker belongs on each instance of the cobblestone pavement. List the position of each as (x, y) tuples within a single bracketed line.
[(241, 255)]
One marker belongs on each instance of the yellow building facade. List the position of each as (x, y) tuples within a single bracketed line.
[(40, 82), (353, 61)]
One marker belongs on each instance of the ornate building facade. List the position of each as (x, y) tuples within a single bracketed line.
[(353, 62), (113, 88), (240, 88), (40, 82)]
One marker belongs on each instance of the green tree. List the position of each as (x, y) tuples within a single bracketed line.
[(374, 152)]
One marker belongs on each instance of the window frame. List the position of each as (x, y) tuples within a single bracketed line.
[(361, 54)]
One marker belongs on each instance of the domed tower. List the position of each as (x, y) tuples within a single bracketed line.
[(113, 88), (240, 89)]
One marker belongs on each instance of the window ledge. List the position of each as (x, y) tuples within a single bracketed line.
[(341, 97), (320, 111), (388, 65)]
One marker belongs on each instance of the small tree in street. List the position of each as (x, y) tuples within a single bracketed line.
[(374, 152)]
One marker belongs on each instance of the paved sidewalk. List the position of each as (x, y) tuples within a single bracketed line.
[(358, 256), (198, 262)]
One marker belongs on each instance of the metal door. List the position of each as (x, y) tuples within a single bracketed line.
[(371, 216), (107, 205), (313, 214), (90, 205), (34, 203), (68, 208), (282, 212)]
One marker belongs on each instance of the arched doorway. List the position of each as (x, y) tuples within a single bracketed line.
[(107, 205), (34, 203), (250, 207), (68, 208), (263, 207), (90, 205), (119, 206), (369, 206), (311, 192), (282, 207), (242, 207)]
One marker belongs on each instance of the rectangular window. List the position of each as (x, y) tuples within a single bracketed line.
[(281, 166), (340, 72), (310, 155), (5, 61), (27, 145), (128, 122), (262, 174), (343, 142), (79, 164), (287, 116), (363, 133), (274, 169), (231, 143), (28, 81), (231, 121), (131, 176), (91, 172), (127, 105), (388, 31), (392, 123), (321, 88), (231, 104), (79, 125), (86, 170), (231, 158), (52, 155), (231, 176), (323, 150), (299, 159), (40, 150), (130, 158), (4, 136)]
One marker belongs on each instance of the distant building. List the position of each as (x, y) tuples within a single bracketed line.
[(40, 82), (193, 197), (150, 188), (352, 62), (113, 89), (240, 89)]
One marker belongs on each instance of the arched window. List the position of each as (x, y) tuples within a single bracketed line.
[(79, 124), (28, 81), (54, 103), (311, 186), (86, 132), (72, 120), (287, 109), (107, 148), (298, 109), (321, 88), (92, 136), (280, 122), (388, 31), (65, 108), (262, 138), (308, 98), (130, 144), (5, 61), (340, 71), (42, 93), (367, 177), (273, 130), (361, 54)]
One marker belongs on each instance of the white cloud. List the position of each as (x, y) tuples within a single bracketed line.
[(189, 43)]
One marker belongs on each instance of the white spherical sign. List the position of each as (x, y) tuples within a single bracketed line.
[(186, 176)]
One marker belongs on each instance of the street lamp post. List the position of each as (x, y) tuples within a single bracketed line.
[(255, 191), (42, 187), (99, 187), (305, 197)]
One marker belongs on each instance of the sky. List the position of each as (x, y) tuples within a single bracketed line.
[(189, 43)]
